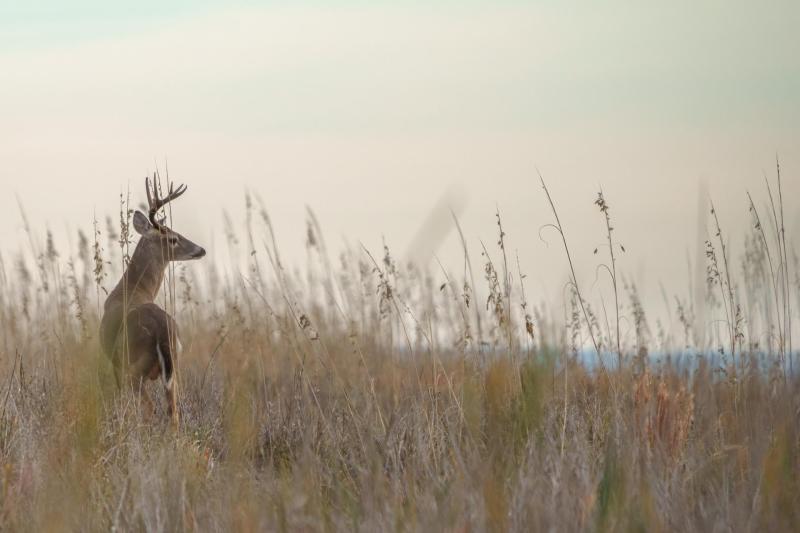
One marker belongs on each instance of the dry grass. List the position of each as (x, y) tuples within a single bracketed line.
[(375, 396)]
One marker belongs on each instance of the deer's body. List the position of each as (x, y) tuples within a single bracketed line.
[(139, 337)]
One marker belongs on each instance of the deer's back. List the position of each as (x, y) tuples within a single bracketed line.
[(148, 331)]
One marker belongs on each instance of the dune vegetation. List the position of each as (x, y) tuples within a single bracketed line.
[(356, 392)]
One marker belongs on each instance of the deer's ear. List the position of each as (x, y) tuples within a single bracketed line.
[(140, 223)]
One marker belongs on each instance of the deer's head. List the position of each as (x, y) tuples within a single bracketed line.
[(158, 239)]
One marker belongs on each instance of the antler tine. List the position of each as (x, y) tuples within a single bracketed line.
[(153, 201), (157, 203), (174, 194), (147, 190)]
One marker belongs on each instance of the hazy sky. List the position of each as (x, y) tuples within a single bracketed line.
[(370, 111)]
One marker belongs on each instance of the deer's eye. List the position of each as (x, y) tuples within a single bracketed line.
[(173, 241)]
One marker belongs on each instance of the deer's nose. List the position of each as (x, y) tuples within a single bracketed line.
[(199, 253)]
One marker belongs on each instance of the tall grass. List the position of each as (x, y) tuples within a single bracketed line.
[(360, 393)]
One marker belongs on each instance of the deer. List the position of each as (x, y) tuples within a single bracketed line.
[(139, 337)]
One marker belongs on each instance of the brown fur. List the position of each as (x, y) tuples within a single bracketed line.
[(137, 335)]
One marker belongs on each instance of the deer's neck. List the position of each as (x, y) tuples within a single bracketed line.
[(142, 279)]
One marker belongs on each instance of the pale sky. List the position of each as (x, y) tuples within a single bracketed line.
[(370, 111)]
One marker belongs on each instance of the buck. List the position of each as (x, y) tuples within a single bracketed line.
[(139, 337)]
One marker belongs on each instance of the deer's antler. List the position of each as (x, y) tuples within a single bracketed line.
[(157, 203)]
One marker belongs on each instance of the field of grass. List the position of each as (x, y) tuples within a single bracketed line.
[(359, 393)]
